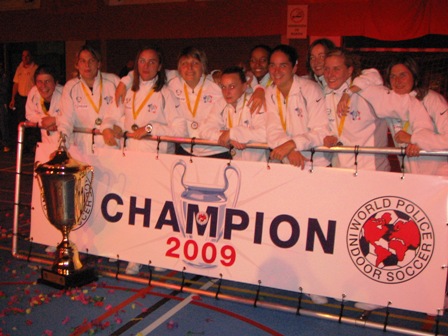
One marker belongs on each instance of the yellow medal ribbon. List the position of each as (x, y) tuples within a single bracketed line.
[(340, 124), (89, 98), (406, 126), (136, 113), (280, 110), (229, 116), (42, 105), (268, 84), (198, 98)]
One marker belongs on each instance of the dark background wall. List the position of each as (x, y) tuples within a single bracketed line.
[(225, 29), (58, 20), (221, 52)]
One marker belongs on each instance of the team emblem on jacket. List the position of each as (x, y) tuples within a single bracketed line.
[(390, 239), (109, 99), (207, 99), (152, 108), (356, 115)]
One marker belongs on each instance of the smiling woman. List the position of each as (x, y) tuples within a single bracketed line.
[(403, 76), (86, 99), (43, 103), (296, 116), (317, 52), (149, 108), (282, 67)]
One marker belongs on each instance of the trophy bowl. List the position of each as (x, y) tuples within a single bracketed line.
[(63, 183)]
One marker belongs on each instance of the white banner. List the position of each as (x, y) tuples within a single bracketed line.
[(373, 237)]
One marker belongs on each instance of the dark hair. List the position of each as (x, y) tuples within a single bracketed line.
[(412, 65), (261, 46), (289, 51), (195, 53), (235, 70), (161, 74), (46, 70), (95, 53), (326, 43), (350, 60)]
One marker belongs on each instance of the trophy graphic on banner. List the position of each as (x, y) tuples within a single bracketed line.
[(65, 186), (202, 208)]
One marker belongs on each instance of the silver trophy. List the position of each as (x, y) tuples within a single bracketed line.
[(65, 185)]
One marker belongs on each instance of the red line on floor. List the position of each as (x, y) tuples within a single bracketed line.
[(224, 311), (238, 317), (85, 327), (139, 294)]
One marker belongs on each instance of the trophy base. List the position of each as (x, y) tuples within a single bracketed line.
[(79, 278)]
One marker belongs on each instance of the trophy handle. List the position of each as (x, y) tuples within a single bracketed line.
[(237, 191), (175, 196), (89, 179), (41, 188), (37, 177)]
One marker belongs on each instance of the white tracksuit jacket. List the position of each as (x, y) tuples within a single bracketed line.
[(244, 127), (35, 112)]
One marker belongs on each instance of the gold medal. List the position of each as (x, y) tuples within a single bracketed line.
[(194, 125), (134, 127), (98, 121)]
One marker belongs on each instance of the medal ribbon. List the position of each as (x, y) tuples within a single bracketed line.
[(89, 98), (136, 113), (42, 105), (406, 126), (340, 125), (229, 116), (280, 110), (198, 98)]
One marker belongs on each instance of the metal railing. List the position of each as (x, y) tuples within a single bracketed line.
[(336, 149)]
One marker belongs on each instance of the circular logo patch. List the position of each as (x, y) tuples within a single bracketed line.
[(390, 239)]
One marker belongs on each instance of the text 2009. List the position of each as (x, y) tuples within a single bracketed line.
[(208, 253)]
